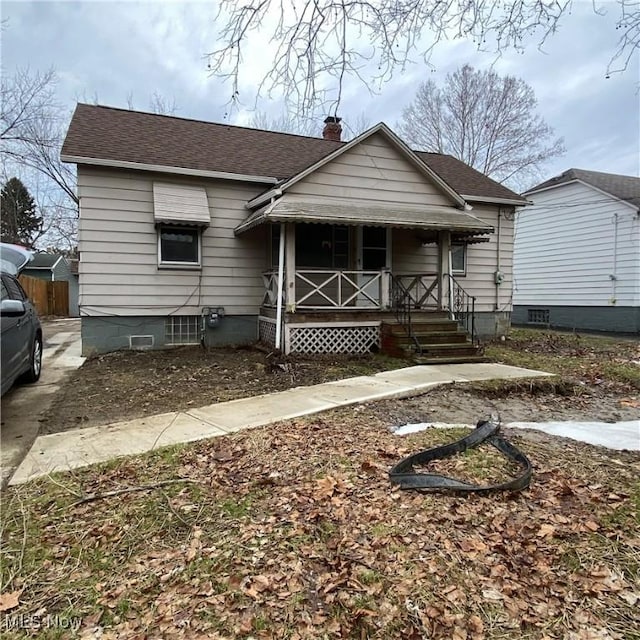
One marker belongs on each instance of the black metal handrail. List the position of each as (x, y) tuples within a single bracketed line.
[(402, 302), (463, 308)]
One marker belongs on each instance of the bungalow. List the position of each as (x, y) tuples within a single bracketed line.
[(196, 232)]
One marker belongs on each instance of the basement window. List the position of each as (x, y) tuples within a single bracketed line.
[(182, 330), (538, 316), (179, 246)]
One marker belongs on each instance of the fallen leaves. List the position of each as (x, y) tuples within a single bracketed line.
[(293, 531), (10, 600)]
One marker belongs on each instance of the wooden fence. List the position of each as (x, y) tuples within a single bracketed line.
[(49, 298)]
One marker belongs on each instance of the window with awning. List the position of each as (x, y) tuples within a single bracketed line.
[(180, 204)]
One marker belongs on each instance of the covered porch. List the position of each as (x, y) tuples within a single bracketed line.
[(337, 279)]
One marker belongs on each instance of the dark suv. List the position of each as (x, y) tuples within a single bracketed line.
[(21, 333)]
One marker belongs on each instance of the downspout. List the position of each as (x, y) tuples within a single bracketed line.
[(498, 272), (280, 286), (614, 275), (450, 287)]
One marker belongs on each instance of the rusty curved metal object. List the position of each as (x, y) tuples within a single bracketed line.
[(405, 477)]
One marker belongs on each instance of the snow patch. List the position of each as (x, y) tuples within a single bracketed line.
[(613, 435), (407, 429)]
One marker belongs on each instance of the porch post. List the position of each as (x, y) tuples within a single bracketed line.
[(290, 261), (280, 286), (444, 260)]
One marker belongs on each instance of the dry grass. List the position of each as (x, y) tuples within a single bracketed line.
[(293, 531), (609, 363)]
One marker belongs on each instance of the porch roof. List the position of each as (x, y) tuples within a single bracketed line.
[(431, 218)]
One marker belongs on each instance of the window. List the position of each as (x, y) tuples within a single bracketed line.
[(275, 244), (374, 248), (538, 316), (459, 259), (182, 329), (178, 246), (14, 289), (322, 246)]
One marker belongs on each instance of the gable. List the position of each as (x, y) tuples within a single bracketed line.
[(372, 171), (572, 197), (620, 187)]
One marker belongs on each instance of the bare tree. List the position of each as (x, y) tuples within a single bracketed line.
[(307, 125), (162, 105), (317, 44), (25, 98), (287, 123), (32, 129), (486, 120)]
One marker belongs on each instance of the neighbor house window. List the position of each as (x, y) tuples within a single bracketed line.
[(178, 246), (459, 259), (538, 316)]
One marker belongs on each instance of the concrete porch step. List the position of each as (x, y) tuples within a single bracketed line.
[(433, 337), (455, 349), (451, 359), (424, 326)]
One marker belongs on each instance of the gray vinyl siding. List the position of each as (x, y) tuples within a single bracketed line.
[(119, 273), (482, 259), (42, 274), (564, 252), (62, 270), (372, 172)]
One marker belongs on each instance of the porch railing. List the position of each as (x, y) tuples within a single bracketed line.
[(403, 302), (420, 290), (270, 297), (463, 308), (404, 293), (319, 289)]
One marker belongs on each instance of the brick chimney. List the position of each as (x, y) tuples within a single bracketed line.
[(332, 129)]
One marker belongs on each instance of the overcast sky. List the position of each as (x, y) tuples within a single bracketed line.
[(116, 52)]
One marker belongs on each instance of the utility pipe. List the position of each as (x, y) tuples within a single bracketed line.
[(280, 286)]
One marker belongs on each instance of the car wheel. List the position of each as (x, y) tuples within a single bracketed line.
[(35, 364)]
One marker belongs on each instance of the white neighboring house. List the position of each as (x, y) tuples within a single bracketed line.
[(577, 253)]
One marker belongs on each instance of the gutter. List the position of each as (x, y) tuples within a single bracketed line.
[(511, 201), (183, 171), (264, 197)]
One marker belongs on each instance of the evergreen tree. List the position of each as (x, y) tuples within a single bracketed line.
[(20, 222)]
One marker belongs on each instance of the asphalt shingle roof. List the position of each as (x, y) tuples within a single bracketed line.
[(108, 133), (43, 261), (624, 187)]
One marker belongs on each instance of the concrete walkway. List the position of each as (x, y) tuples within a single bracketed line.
[(24, 405), (82, 447)]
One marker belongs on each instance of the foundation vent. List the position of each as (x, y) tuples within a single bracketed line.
[(141, 342)]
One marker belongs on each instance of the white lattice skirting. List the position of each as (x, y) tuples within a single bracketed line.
[(306, 339), (267, 331)]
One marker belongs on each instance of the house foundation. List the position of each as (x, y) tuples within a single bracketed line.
[(105, 334)]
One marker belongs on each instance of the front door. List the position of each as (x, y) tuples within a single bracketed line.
[(373, 255)]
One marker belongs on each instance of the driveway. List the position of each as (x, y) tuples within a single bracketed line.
[(23, 405)]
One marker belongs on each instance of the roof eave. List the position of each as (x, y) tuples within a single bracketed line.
[(492, 200), (590, 186), (184, 171)]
